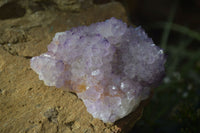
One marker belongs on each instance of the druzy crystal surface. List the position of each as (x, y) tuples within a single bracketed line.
[(110, 66)]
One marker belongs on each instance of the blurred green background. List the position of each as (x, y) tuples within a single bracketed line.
[(174, 25)]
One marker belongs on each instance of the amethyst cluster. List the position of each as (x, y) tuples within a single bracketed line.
[(110, 66)]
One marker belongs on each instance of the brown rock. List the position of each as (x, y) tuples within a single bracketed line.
[(26, 104), (2, 63), (72, 5)]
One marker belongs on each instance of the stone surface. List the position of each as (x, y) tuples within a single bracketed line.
[(34, 5), (73, 5), (26, 104)]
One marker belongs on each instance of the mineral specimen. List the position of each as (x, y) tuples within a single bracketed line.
[(110, 66)]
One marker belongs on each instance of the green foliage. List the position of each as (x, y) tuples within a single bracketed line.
[(187, 117), (175, 106)]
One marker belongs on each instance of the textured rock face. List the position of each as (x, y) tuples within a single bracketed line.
[(26, 104), (110, 66)]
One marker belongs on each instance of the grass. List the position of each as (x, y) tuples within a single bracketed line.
[(175, 106)]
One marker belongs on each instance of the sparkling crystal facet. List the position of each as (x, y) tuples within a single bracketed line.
[(110, 66)]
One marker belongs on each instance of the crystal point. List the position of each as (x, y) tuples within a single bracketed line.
[(110, 66)]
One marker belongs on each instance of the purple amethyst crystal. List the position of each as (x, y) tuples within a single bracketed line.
[(110, 66)]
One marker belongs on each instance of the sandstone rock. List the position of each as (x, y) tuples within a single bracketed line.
[(73, 5), (2, 63), (34, 5), (26, 104)]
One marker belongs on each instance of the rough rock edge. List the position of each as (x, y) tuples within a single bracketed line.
[(8, 60)]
